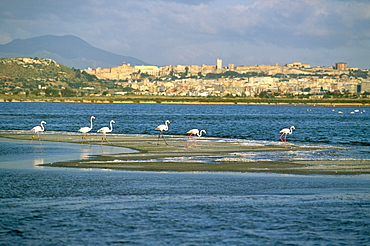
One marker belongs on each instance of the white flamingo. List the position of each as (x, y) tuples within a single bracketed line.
[(86, 129), (106, 130), (194, 133), (162, 128), (38, 129), (285, 132)]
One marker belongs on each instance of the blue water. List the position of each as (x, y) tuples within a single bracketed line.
[(74, 207), (313, 124), (59, 206)]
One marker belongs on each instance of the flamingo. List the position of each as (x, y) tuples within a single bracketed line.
[(86, 129), (38, 129), (106, 130), (162, 128), (285, 132), (195, 133)]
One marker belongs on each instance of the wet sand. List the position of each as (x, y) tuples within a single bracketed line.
[(151, 155)]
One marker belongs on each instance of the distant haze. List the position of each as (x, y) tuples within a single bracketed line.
[(68, 50)]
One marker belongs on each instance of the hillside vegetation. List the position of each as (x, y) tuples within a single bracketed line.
[(38, 76)]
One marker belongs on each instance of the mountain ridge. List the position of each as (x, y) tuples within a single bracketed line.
[(68, 50)]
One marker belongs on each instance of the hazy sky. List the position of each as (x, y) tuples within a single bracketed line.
[(170, 32)]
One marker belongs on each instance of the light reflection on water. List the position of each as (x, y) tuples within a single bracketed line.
[(23, 154)]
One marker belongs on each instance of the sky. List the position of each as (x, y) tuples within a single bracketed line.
[(186, 32)]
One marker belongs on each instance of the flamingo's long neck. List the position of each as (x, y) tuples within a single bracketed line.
[(200, 133), (42, 126), (111, 126), (291, 130), (91, 123)]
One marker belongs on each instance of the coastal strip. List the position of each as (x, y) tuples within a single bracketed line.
[(210, 154), (198, 101)]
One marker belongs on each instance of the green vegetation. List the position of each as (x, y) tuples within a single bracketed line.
[(45, 77)]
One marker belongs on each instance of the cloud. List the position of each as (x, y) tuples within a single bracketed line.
[(199, 31)]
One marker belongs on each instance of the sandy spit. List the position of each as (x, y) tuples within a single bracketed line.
[(153, 155)]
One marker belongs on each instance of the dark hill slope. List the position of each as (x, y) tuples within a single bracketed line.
[(68, 50)]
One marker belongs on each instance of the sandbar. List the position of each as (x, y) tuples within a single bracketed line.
[(207, 154)]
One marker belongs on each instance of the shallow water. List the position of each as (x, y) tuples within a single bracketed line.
[(60, 207), (22, 154)]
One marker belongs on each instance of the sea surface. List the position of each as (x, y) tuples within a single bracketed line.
[(60, 206)]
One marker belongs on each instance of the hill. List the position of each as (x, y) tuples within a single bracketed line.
[(68, 50), (26, 75)]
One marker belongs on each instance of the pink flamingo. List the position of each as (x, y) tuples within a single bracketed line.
[(194, 133), (86, 129), (285, 132), (106, 130), (38, 129), (162, 128)]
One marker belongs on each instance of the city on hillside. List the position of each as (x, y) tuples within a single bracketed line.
[(44, 77), (218, 80)]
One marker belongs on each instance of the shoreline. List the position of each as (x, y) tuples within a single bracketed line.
[(324, 103), (211, 154)]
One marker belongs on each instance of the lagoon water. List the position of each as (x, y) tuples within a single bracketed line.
[(60, 206), (331, 125)]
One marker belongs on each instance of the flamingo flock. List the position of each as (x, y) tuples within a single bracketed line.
[(161, 128)]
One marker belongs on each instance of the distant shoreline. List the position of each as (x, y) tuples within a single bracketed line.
[(179, 100)]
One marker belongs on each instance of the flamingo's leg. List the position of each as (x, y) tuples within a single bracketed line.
[(281, 137), (38, 134), (164, 139), (102, 139), (84, 137), (159, 135), (33, 137), (107, 139), (187, 142)]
